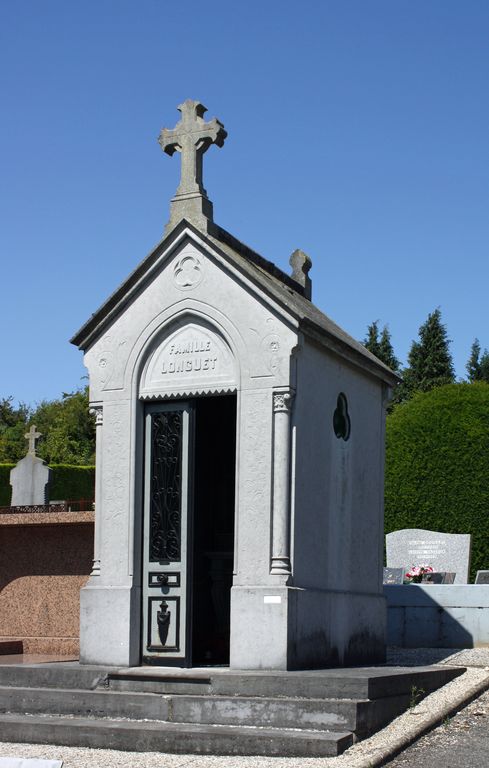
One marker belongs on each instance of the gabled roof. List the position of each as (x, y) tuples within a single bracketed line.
[(277, 284)]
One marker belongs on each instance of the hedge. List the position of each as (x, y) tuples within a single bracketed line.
[(437, 465), (67, 482)]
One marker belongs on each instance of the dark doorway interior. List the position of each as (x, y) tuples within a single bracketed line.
[(213, 528)]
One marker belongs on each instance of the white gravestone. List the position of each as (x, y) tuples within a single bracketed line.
[(443, 551), (30, 477)]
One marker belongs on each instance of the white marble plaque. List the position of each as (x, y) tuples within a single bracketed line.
[(443, 551)]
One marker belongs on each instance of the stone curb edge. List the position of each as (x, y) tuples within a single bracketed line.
[(381, 755)]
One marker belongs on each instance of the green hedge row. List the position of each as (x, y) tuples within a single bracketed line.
[(437, 465), (67, 482)]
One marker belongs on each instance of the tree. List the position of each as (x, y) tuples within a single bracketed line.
[(429, 362), (13, 426), (484, 363), (381, 347), (68, 429), (477, 364), (473, 363)]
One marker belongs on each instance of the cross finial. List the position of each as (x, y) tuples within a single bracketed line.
[(192, 136), (32, 436)]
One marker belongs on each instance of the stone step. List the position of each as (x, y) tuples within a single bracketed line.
[(350, 683), (67, 674), (362, 717), (182, 738)]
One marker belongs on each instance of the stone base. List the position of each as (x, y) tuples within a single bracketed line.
[(438, 615), (110, 619), (292, 628)]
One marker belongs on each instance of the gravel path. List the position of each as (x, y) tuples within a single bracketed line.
[(375, 751), (462, 740)]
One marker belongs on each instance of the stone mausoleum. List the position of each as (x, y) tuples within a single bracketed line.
[(240, 450)]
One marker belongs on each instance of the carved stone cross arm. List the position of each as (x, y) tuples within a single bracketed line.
[(192, 136), (32, 436)]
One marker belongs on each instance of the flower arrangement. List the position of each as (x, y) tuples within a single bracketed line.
[(416, 573)]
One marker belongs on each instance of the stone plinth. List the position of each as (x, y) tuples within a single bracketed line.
[(438, 615)]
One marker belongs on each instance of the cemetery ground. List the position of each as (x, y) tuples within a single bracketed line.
[(446, 729)]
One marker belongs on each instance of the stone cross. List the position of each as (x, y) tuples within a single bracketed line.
[(192, 136), (32, 436)]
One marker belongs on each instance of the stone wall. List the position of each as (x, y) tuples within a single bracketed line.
[(45, 559), (437, 615)]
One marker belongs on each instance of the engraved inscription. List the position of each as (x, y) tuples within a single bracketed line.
[(188, 356), (192, 357)]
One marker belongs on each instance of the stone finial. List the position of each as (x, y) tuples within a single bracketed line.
[(192, 136), (32, 436), (301, 264)]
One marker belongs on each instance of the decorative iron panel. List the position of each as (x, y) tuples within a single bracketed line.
[(166, 486)]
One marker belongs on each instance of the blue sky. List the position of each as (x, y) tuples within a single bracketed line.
[(358, 131)]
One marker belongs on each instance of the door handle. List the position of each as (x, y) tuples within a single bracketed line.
[(162, 579)]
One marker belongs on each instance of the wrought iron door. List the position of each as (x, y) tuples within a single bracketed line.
[(166, 545)]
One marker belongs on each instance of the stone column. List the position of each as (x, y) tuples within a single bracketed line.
[(99, 420), (282, 404)]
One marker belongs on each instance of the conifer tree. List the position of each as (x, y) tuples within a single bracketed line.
[(484, 366), (386, 350), (429, 362), (371, 341), (477, 364), (473, 363), (381, 347)]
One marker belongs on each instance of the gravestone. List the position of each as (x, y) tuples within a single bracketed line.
[(239, 456), (443, 551), (30, 477), (393, 575), (482, 577)]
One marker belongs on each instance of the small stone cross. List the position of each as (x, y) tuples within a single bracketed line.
[(192, 136), (32, 436)]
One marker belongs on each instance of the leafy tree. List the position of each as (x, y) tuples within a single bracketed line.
[(477, 364), (68, 429), (13, 426), (381, 347), (429, 362)]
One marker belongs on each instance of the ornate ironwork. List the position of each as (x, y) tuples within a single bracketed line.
[(165, 493), (163, 617), (79, 505)]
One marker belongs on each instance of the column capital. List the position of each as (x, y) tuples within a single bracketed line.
[(98, 412), (282, 400)]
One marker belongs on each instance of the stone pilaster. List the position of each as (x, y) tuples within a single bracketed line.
[(99, 420), (282, 405)]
